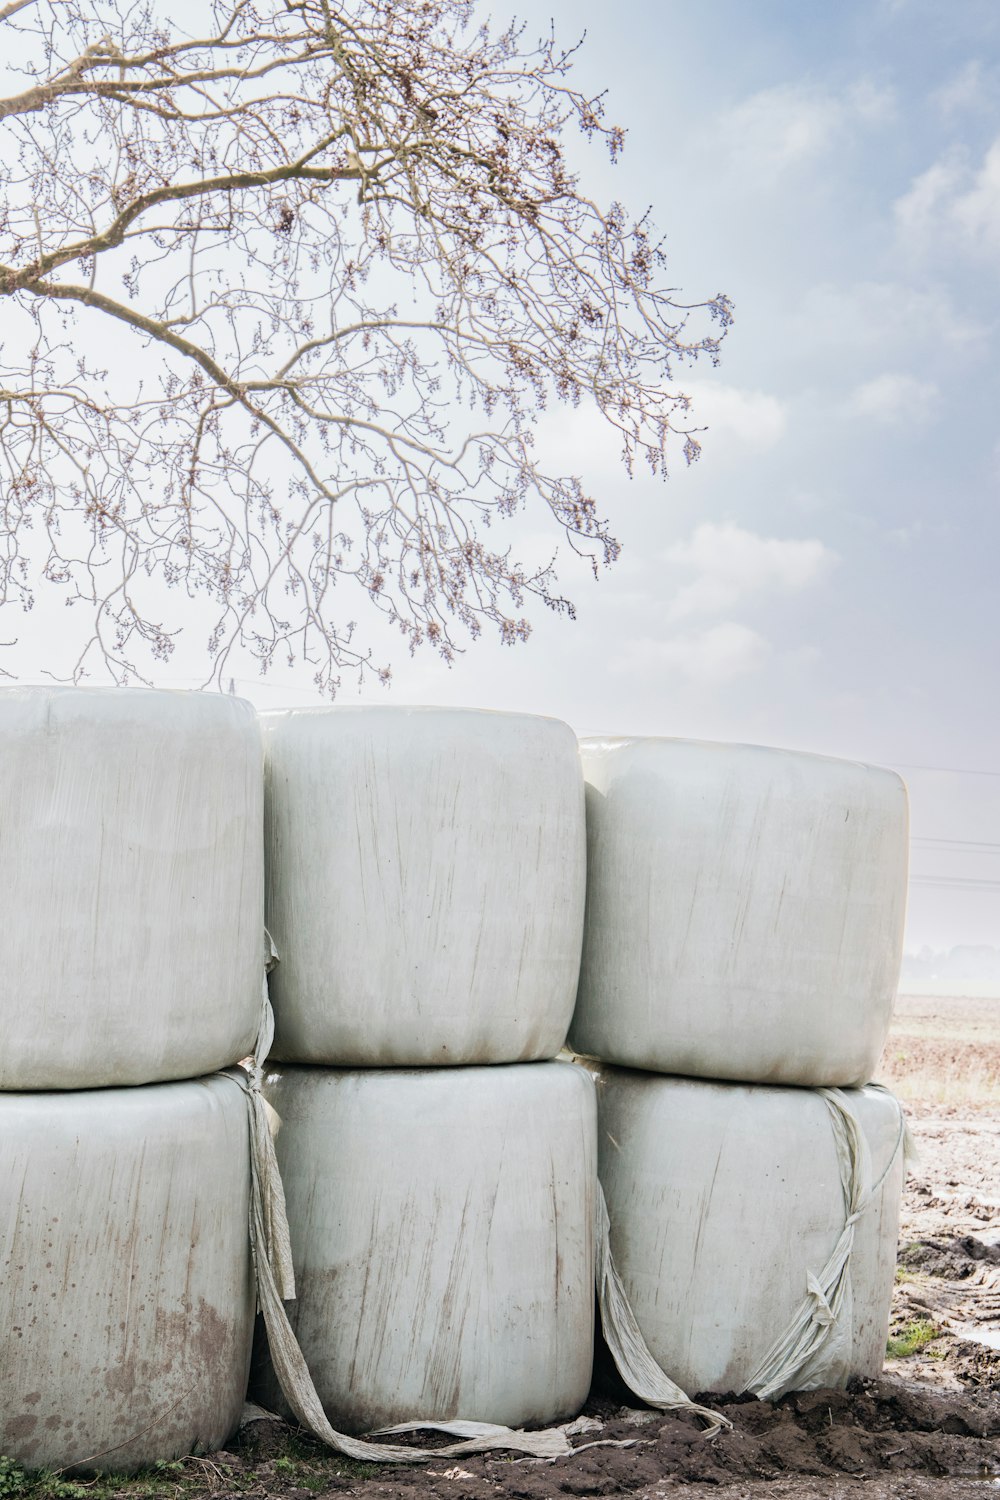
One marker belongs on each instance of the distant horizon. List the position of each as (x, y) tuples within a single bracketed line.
[(967, 969)]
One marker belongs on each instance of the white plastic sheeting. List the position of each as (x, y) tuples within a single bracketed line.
[(426, 873), (442, 1228), (131, 859), (126, 1289), (625, 1341), (286, 1369), (732, 1207), (744, 911)]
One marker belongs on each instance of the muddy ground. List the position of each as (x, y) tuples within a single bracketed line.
[(929, 1428)]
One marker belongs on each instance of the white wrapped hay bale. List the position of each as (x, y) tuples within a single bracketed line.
[(126, 1291), (131, 856), (426, 873), (442, 1236), (744, 1229), (744, 911)]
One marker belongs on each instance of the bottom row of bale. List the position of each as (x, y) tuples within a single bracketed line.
[(443, 1233)]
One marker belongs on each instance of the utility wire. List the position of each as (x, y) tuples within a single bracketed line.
[(981, 845), (949, 770)]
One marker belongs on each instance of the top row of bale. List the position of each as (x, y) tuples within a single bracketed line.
[(443, 886)]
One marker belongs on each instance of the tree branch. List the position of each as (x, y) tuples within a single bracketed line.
[(369, 334), (13, 7)]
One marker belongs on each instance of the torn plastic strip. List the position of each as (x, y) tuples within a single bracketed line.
[(623, 1336), (818, 1320)]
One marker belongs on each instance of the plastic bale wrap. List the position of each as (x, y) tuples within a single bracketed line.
[(126, 1288), (426, 874), (131, 854), (442, 1228), (754, 1229), (744, 911)]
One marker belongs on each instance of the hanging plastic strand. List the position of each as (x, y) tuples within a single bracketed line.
[(623, 1336), (822, 1319), (270, 1245)]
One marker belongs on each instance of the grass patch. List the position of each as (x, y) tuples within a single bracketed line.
[(963, 1079), (174, 1478), (265, 1458), (16, 1482), (911, 1338), (977, 1088)]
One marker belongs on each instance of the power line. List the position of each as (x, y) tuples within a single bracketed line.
[(983, 844), (959, 881), (950, 770)]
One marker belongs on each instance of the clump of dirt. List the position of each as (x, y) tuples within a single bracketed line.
[(884, 1427)]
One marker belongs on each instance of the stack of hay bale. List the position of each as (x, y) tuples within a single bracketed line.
[(426, 875), (131, 854), (425, 891), (742, 946)]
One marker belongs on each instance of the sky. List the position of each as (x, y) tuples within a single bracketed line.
[(824, 578)]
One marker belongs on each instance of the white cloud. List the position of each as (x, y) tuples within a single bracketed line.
[(918, 211), (794, 123), (892, 398), (952, 203), (971, 88), (877, 314), (711, 656), (578, 441), (782, 126), (907, 536), (978, 210), (866, 102), (754, 418), (731, 564)]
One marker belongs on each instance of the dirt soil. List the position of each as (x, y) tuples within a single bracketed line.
[(929, 1428)]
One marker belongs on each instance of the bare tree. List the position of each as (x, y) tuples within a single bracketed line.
[(280, 305)]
